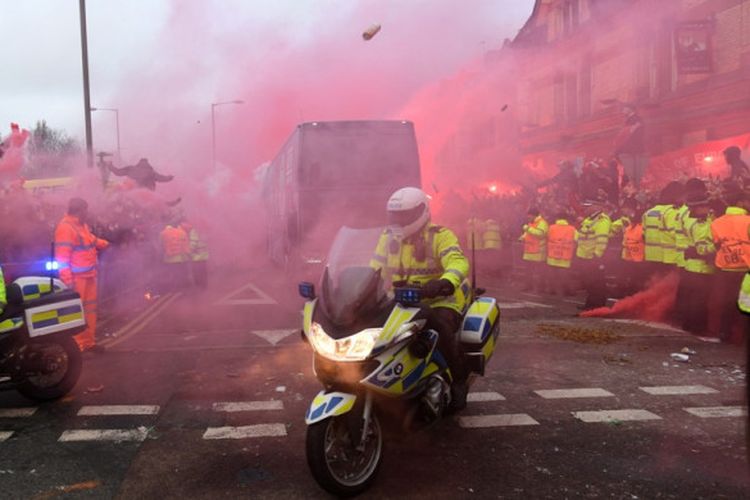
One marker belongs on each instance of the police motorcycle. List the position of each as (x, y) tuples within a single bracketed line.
[(378, 362), (38, 355)]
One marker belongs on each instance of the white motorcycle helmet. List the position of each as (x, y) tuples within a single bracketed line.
[(408, 211)]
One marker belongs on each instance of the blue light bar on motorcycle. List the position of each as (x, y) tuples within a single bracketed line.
[(307, 290), (408, 296), (52, 265)]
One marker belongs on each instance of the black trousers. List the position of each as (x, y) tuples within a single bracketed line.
[(692, 301), (447, 323), (592, 272)]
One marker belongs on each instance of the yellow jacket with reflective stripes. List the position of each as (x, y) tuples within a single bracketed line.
[(669, 232), (433, 253), (593, 236), (198, 247), (475, 230), (681, 237), (653, 225), (491, 235), (698, 233), (743, 301), (3, 296), (534, 239)]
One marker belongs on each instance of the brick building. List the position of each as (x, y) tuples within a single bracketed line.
[(684, 64)]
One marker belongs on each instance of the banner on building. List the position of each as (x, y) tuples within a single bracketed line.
[(692, 41)]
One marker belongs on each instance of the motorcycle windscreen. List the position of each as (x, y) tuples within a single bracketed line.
[(352, 290)]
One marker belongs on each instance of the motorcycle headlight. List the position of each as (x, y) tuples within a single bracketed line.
[(356, 347)]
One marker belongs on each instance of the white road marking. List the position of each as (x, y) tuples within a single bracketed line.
[(718, 411), (481, 397), (17, 412), (594, 392), (116, 435), (5, 435), (615, 415), (274, 336), (104, 410), (249, 406), (245, 432), (481, 421), (671, 390), (263, 298)]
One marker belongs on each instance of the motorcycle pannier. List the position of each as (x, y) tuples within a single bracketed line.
[(53, 313), (480, 321)]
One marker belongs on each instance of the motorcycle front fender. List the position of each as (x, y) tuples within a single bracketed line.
[(329, 404)]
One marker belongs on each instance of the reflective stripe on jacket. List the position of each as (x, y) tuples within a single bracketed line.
[(653, 224), (561, 244), (433, 253), (681, 237), (743, 301), (535, 240), (491, 235), (76, 248), (699, 237), (730, 234), (669, 235), (175, 245), (3, 296), (593, 236)]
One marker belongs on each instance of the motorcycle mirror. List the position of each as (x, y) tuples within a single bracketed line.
[(307, 290)]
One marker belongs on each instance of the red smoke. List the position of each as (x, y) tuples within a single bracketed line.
[(13, 151), (652, 304)]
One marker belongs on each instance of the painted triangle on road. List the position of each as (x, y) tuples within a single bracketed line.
[(274, 336), (246, 295)]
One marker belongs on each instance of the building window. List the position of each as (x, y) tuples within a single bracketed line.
[(559, 97), (584, 88), (571, 97)]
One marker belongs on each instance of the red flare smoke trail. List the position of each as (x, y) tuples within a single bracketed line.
[(652, 304)]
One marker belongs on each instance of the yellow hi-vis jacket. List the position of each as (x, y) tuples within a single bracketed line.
[(669, 232), (699, 236), (198, 247), (474, 230), (653, 225), (681, 237), (3, 296), (534, 239), (743, 301), (491, 235), (593, 236), (433, 253)]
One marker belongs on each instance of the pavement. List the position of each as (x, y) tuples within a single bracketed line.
[(202, 394)]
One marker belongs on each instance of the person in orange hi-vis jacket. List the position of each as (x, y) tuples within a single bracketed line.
[(76, 249)]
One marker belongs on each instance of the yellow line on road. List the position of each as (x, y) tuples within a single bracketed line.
[(140, 322)]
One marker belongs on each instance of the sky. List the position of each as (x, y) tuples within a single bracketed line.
[(163, 62)]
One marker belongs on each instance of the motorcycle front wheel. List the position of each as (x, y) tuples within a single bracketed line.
[(335, 462), (57, 368)]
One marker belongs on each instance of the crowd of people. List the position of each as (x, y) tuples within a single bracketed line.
[(593, 228)]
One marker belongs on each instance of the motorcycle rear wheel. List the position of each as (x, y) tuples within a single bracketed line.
[(335, 463), (62, 352)]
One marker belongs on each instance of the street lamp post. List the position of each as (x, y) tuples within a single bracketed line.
[(117, 125), (213, 128), (86, 91)]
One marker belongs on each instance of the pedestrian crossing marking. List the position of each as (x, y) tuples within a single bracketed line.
[(717, 411), (671, 390), (595, 392), (246, 432), (521, 305), (615, 415), (17, 412), (105, 410), (231, 299), (248, 406), (274, 336), (5, 435), (482, 397), (507, 420), (116, 435)]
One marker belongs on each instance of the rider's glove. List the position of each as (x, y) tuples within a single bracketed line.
[(438, 288)]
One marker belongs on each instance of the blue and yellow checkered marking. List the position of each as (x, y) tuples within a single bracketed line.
[(56, 316), (34, 291)]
